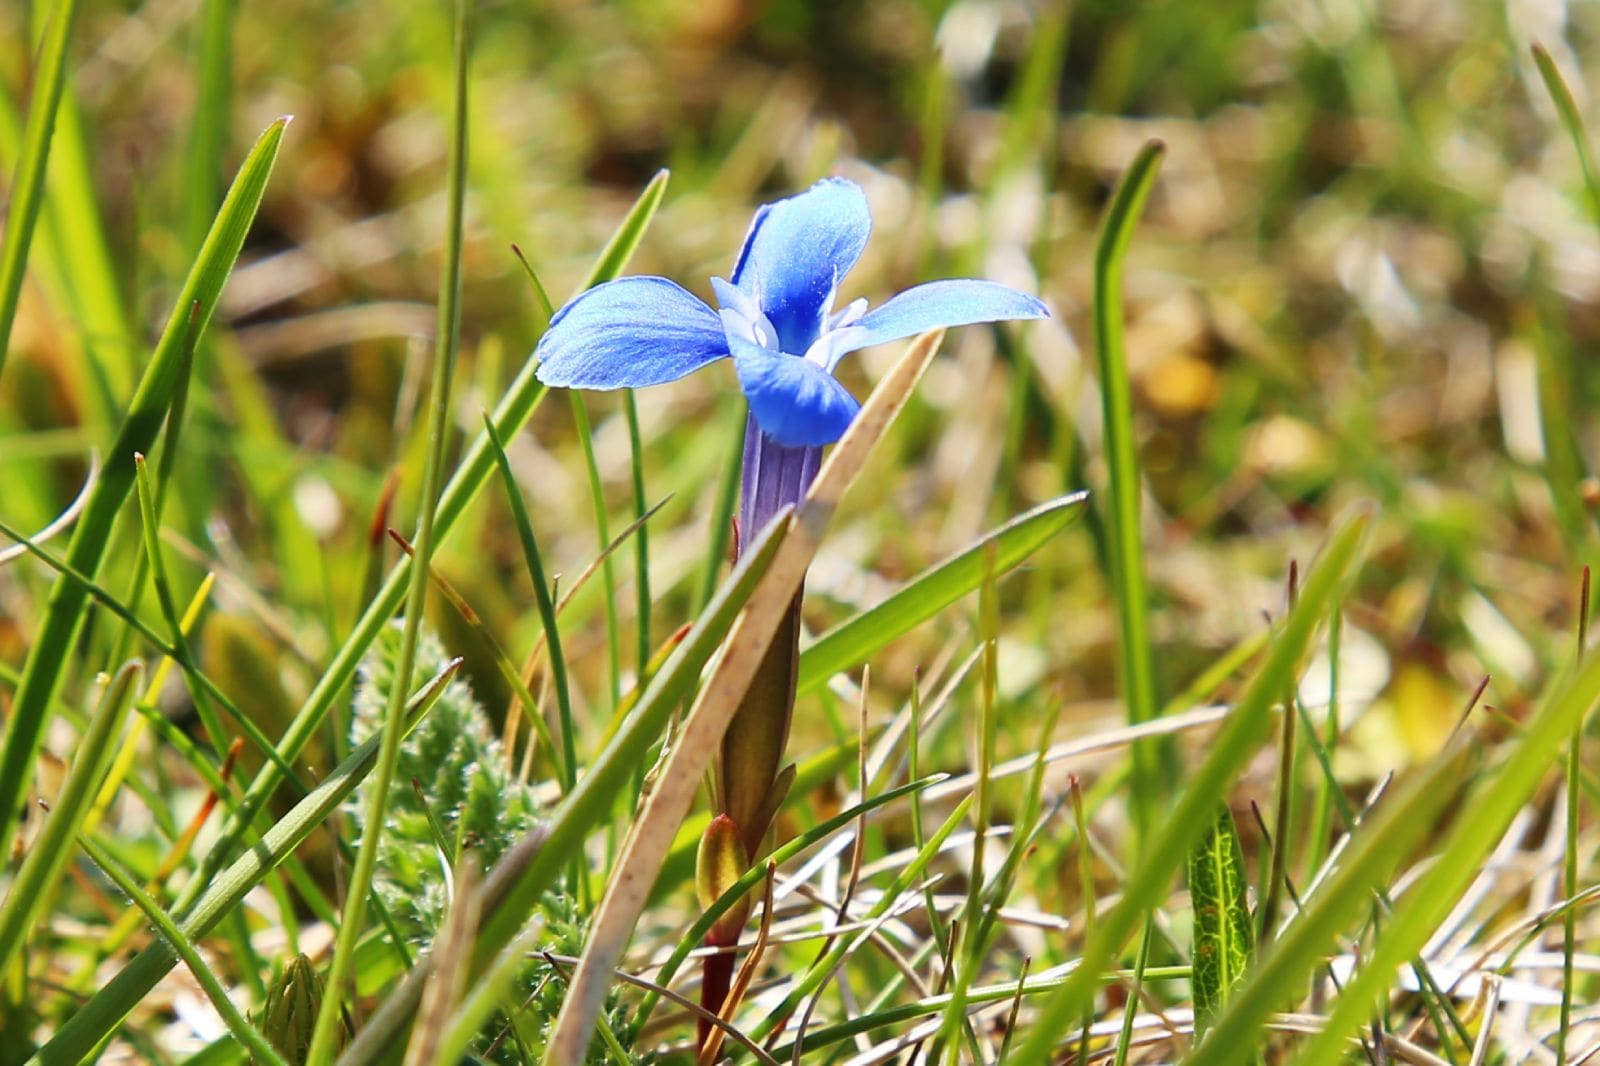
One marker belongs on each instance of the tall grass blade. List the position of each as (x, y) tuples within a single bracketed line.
[(27, 186), (208, 136), (1195, 809), (1567, 109), (447, 336), (620, 248), (547, 608), (1135, 665), (50, 651), (262, 1053)]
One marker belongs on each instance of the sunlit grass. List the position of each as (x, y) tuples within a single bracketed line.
[(1361, 282)]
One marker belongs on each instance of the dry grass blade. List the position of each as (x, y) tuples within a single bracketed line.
[(651, 836), (451, 953)]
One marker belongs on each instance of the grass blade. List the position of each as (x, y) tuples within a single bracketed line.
[(97, 1018), (1242, 732), (50, 651), (261, 1051), (47, 856), (1135, 665), (27, 187), (447, 336), (547, 609), (620, 248), (854, 641), (1567, 109)]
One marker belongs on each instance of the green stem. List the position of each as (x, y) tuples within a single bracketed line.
[(446, 337)]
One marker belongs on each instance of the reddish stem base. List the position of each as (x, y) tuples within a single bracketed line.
[(716, 977)]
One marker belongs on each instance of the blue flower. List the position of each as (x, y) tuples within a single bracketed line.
[(775, 319)]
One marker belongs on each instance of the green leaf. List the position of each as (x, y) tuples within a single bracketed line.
[(1222, 930), (51, 648), (854, 641)]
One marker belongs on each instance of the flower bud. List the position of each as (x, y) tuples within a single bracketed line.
[(721, 862), (291, 1010)]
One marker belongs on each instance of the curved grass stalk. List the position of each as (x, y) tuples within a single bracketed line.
[(1135, 663), (261, 1050)]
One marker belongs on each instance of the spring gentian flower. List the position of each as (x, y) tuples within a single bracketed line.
[(776, 320)]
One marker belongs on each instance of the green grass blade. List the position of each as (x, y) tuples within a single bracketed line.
[(27, 187), (1136, 667), (1195, 810), (857, 639), (641, 541), (50, 651), (620, 248), (596, 792), (1472, 835), (1567, 108), (547, 610), (47, 856), (262, 1053), (447, 336), (100, 1016), (1221, 917), (208, 136)]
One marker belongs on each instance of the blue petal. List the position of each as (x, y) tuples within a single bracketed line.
[(629, 333), (944, 303), (796, 252), (794, 401)]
